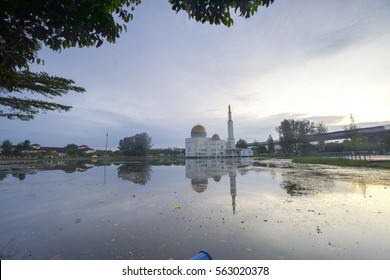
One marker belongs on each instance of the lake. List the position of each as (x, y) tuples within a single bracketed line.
[(270, 209)]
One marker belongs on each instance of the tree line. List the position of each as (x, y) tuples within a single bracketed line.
[(139, 145), (294, 138), (24, 149)]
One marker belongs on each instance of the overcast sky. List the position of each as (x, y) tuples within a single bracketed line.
[(302, 59)]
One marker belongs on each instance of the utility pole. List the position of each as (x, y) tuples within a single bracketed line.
[(106, 144)]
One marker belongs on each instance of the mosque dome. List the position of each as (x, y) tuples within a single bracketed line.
[(217, 178), (215, 137), (198, 131), (199, 185)]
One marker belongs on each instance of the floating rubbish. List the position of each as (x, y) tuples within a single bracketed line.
[(176, 207)]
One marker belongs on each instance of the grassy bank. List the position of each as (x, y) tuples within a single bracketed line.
[(341, 162)]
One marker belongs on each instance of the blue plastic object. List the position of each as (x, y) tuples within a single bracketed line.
[(202, 255)]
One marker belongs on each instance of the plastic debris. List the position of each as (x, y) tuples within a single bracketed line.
[(176, 207)]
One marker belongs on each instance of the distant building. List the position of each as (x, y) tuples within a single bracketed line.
[(59, 151), (86, 149), (199, 145)]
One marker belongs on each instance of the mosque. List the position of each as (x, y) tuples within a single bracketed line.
[(201, 146)]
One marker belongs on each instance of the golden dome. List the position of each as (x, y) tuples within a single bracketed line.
[(198, 128), (198, 131), (215, 137), (217, 178), (199, 185)]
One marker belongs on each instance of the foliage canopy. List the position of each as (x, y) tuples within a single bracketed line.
[(293, 135), (218, 11), (242, 144), (137, 145), (20, 107), (26, 25)]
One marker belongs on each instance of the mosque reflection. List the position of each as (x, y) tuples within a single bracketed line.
[(201, 170)]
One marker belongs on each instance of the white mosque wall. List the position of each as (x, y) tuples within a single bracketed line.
[(205, 147)]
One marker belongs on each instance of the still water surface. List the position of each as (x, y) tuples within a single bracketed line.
[(268, 210)]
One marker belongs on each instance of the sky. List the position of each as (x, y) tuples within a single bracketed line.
[(303, 59)]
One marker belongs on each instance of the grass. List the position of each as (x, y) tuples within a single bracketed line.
[(341, 162)]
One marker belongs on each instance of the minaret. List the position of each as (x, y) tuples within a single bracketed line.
[(231, 143)]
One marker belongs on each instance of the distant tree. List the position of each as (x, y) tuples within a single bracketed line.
[(271, 144), (137, 145), (7, 148), (351, 128), (334, 147), (320, 129), (26, 145), (357, 142), (386, 141), (20, 147), (117, 153), (18, 150), (72, 150), (260, 149), (293, 135), (241, 144)]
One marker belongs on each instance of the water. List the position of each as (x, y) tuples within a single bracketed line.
[(234, 210)]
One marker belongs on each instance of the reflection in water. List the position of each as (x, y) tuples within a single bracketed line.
[(20, 171), (20, 176), (306, 182), (233, 189), (301, 212), (313, 179), (363, 187), (3, 175), (200, 170), (138, 173), (294, 189)]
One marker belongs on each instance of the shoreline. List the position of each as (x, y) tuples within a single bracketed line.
[(380, 164)]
